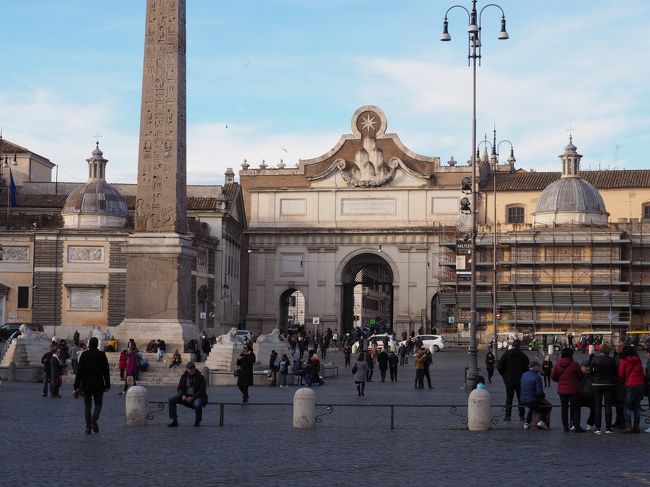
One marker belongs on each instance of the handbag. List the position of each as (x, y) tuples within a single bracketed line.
[(237, 371), (130, 380), (354, 369)]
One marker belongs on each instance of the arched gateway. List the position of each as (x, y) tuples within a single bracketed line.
[(367, 288), (356, 230)]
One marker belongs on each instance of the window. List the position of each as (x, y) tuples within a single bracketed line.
[(516, 214), (23, 297), (646, 210)]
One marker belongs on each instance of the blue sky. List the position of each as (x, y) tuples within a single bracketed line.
[(271, 79)]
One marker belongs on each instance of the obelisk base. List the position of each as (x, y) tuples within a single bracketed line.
[(175, 333), (158, 290)]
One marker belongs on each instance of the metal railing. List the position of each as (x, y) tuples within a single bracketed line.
[(328, 408)]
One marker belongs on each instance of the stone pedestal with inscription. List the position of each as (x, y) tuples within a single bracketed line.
[(158, 300)]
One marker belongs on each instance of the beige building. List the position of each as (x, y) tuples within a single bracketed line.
[(62, 262)]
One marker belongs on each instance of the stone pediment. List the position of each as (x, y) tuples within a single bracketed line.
[(369, 157)]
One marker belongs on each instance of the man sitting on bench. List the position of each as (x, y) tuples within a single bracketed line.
[(191, 393), (533, 397)]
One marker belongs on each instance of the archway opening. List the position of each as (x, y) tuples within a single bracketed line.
[(367, 294), (292, 310)]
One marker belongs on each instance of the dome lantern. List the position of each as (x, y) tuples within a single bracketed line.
[(96, 204), (570, 199)]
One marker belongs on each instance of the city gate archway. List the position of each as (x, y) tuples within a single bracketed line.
[(292, 309), (367, 287)]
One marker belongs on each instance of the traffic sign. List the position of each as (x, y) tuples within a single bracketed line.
[(316, 320), (498, 315)]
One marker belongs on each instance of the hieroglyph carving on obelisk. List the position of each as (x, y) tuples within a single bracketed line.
[(162, 193)]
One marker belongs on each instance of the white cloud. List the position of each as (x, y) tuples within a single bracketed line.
[(213, 147)]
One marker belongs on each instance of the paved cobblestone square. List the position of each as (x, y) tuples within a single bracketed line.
[(43, 442)]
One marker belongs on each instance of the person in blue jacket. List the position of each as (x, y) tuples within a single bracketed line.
[(533, 397)]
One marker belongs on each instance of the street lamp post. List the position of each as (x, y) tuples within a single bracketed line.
[(474, 54), (494, 160)]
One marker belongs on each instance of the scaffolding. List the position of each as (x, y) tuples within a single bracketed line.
[(565, 278)]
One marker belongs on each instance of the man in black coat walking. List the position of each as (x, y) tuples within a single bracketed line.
[(93, 378), (512, 366)]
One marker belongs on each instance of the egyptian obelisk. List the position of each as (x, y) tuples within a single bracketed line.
[(159, 254)]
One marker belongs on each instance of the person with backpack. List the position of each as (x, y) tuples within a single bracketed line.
[(284, 370)]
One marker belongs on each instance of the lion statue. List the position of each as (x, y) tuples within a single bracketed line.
[(230, 337)]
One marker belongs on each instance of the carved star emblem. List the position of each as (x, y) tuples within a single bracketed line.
[(368, 123)]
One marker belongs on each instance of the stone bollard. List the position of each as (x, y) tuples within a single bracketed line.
[(136, 406), (591, 350), (304, 408), (478, 410), (551, 350), (11, 373)]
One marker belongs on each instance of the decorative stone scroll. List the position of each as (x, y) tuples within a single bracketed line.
[(86, 254), (15, 254)]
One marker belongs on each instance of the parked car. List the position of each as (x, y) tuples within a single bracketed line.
[(432, 342), (242, 334), (9, 329), (392, 344)]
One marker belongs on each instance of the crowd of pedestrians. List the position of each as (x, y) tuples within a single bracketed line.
[(597, 383)]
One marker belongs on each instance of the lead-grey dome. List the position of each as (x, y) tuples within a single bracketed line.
[(96, 204), (570, 199), (570, 194)]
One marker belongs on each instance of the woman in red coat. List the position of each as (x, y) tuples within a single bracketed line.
[(122, 363), (630, 374), (568, 376)]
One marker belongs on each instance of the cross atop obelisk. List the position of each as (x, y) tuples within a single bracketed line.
[(162, 193)]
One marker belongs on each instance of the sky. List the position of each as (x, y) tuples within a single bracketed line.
[(280, 79)]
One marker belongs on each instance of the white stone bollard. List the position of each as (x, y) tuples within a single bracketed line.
[(136, 406), (478, 410), (304, 408), (551, 350)]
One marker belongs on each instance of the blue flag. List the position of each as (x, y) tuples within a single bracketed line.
[(12, 189)]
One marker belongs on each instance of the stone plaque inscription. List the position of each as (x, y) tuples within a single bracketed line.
[(293, 207), (85, 298), (162, 193), (368, 206)]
